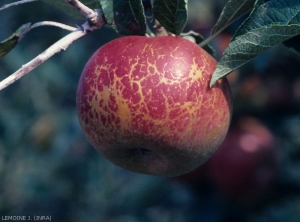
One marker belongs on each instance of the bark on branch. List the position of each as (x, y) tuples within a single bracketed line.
[(95, 21)]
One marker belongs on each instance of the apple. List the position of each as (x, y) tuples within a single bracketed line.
[(245, 166), (145, 104)]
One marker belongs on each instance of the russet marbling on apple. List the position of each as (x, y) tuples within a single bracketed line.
[(145, 104)]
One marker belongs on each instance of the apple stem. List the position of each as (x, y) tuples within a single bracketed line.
[(149, 32), (160, 30), (16, 3)]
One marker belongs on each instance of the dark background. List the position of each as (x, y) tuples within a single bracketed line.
[(47, 168)]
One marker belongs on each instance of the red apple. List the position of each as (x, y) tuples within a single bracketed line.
[(245, 165), (145, 104)]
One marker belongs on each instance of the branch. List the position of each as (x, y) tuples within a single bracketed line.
[(57, 47), (83, 9), (95, 17), (50, 23), (16, 3)]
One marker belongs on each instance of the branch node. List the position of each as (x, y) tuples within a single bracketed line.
[(97, 19)]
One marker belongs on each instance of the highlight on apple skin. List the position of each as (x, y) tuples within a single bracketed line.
[(145, 104)]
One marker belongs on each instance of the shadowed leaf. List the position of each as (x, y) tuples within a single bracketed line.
[(126, 16), (171, 14), (293, 44)]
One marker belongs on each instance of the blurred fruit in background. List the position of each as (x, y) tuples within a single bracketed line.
[(245, 165)]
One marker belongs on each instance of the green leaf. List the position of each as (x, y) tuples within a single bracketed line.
[(70, 10), (126, 16), (171, 14), (233, 10), (197, 38), (8, 44), (108, 10), (248, 46), (269, 23), (272, 12)]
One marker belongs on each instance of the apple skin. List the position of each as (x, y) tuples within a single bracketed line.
[(145, 104)]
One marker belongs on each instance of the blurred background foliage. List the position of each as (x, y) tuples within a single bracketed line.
[(48, 168)]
